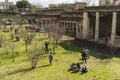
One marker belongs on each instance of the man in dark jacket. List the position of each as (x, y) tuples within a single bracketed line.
[(50, 58)]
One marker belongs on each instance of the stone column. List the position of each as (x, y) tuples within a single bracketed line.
[(85, 25), (77, 32), (45, 24), (114, 22), (97, 27), (58, 24), (41, 23), (64, 25), (71, 27)]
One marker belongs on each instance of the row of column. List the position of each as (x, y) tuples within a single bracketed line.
[(86, 26), (68, 25), (47, 23)]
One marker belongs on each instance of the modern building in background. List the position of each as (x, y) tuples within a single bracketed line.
[(109, 2), (5, 5)]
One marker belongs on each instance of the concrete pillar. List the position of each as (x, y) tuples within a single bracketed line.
[(85, 25), (97, 27), (114, 22)]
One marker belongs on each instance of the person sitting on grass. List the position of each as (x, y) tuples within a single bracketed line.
[(84, 69), (50, 58), (73, 66)]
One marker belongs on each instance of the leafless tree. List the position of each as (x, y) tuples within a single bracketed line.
[(27, 37), (55, 32), (12, 35), (5, 45), (13, 47), (1, 39), (34, 54)]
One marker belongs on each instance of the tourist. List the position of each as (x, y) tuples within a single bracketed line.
[(73, 66), (11, 29), (84, 56), (50, 58), (87, 51), (46, 47), (106, 41), (78, 66), (84, 68)]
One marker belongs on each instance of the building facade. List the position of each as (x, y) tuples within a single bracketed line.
[(109, 2), (94, 23), (68, 7), (89, 23), (5, 5)]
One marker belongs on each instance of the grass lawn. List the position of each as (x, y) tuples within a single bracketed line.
[(99, 69)]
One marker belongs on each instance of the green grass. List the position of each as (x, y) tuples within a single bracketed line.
[(99, 69)]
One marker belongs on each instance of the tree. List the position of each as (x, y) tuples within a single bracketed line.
[(56, 33), (12, 7), (1, 39), (6, 42), (12, 35), (22, 4), (34, 54), (27, 36), (13, 47)]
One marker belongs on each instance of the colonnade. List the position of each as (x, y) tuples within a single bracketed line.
[(97, 27)]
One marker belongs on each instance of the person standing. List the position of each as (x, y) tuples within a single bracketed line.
[(87, 51), (84, 56), (50, 58), (46, 47)]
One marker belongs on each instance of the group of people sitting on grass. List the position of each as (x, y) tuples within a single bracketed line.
[(82, 66), (79, 67)]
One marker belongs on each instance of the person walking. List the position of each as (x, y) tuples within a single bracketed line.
[(50, 58)]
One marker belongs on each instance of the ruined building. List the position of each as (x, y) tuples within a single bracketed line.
[(95, 23), (88, 23)]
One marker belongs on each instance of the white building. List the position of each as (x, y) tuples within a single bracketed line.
[(5, 5), (109, 2)]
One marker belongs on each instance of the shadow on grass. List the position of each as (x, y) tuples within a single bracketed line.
[(19, 71), (73, 71), (41, 39), (44, 66), (72, 49), (14, 41), (82, 73), (96, 50)]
